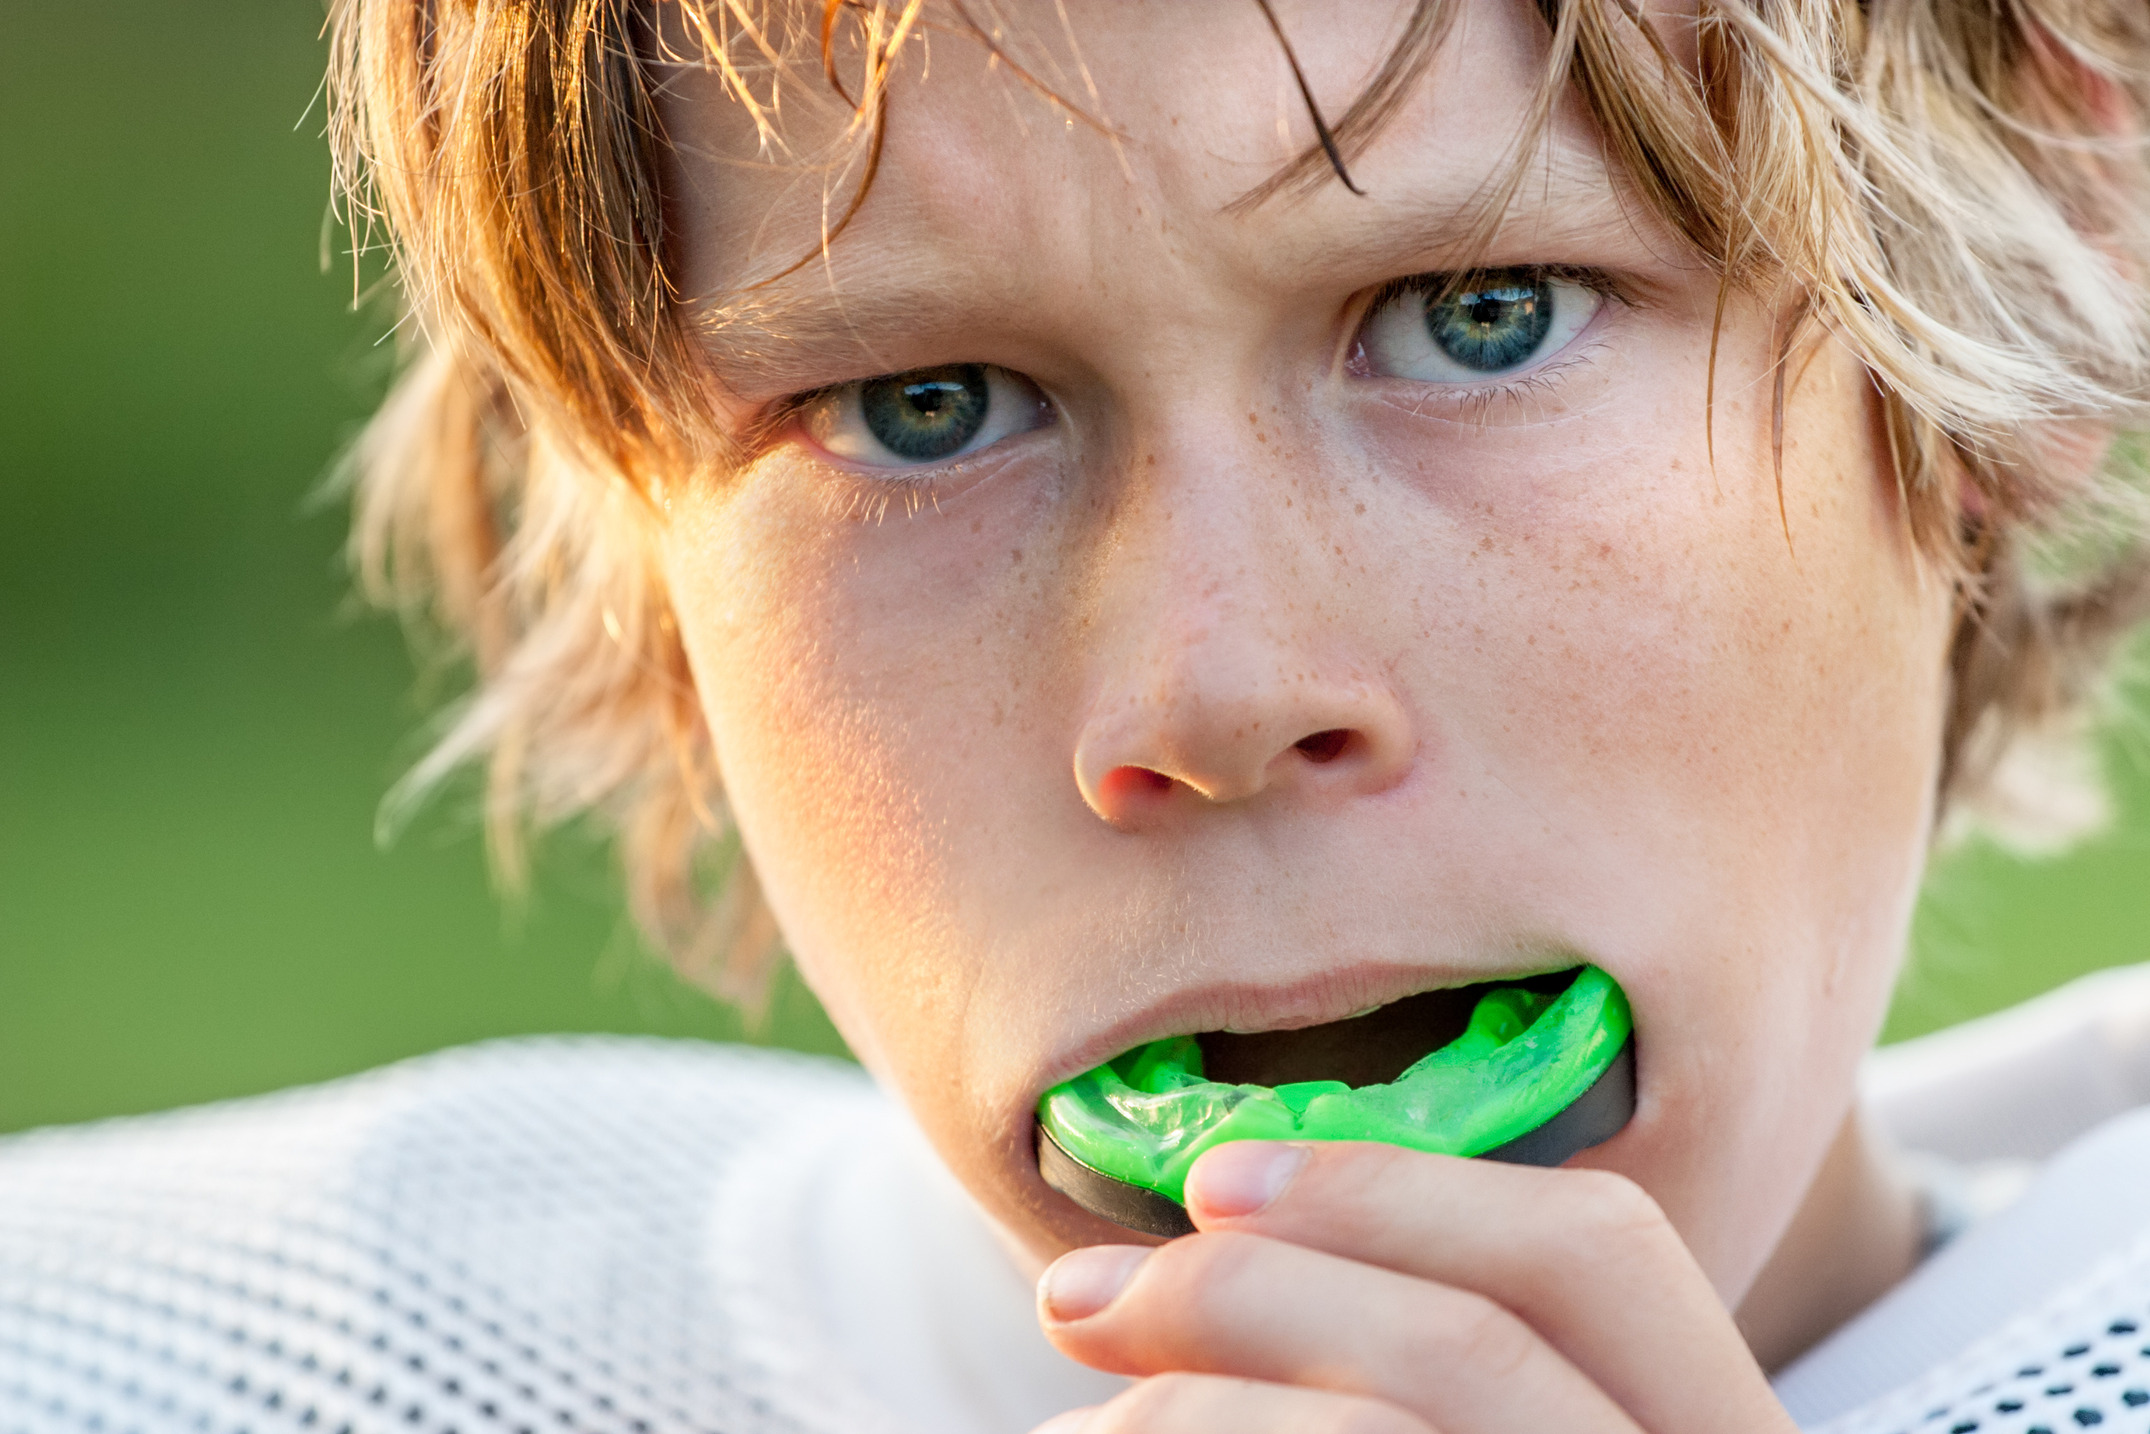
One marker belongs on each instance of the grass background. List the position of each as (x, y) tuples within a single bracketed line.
[(194, 726)]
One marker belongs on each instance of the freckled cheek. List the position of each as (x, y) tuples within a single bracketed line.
[(1620, 657), (1706, 700), (797, 755), (1729, 751), (1642, 630), (869, 689), (1564, 633)]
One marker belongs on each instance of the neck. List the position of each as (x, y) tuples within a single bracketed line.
[(1856, 1235)]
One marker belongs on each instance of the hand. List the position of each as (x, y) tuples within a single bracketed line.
[(1364, 1288)]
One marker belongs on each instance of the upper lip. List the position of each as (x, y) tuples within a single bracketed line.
[(1331, 994)]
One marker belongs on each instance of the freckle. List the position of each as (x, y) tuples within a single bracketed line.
[(1252, 417), (976, 524), (1015, 554), (1151, 460), (1361, 508)]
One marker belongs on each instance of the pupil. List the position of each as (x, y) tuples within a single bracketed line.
[(1495, 325), (928, 413)]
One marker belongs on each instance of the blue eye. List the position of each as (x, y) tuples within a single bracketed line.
[(924, 415), (1480, 326)]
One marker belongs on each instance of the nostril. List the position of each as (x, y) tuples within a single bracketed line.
[(1325, 746), (1125, 783)]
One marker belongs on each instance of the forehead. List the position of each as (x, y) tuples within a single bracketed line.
[(1097, 149)]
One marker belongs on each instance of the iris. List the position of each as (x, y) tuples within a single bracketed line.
[(926, 414), (1494, 324)]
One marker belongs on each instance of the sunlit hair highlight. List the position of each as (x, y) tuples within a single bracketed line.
[(1955, 189)]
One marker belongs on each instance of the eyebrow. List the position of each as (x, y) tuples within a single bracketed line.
[(1564, 195), (789, 335), (823, 323)]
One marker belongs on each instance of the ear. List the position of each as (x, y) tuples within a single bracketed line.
[(2069, 452), (2075, 91), (2064, 453)]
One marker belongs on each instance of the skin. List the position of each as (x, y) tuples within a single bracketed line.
[(1013, 742)]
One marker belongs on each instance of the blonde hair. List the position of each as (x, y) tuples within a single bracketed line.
[(1956, 189)]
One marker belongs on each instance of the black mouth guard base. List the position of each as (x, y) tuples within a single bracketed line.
[(1595, 1116)]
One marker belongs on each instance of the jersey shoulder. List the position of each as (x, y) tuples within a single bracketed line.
[(515, 1236), (2037, 1318)]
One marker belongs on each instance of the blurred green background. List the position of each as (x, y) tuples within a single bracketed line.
[(195, 728)]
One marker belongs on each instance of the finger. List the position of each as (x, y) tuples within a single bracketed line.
[(1584, 1257), (1255, 1308), (1209, 1404)]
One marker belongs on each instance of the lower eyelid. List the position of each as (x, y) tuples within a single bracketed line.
[(1569, 380)]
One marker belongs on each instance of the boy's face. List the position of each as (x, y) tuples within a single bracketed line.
[(1278, 645)]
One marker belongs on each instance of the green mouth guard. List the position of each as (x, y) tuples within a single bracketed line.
[(1533, 1079)]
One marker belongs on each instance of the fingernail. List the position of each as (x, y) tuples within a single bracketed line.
[(1071, 1422), (1082, 1282), (1242, 1177)]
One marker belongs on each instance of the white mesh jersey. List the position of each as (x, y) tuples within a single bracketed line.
[(2036, 1320), (615, 1236), (558, 1236), (514, 1238), (2054, 1295)]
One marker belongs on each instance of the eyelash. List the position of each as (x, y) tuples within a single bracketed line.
[(1598, 281), (855, 496), (860, 499), (1478, 400)]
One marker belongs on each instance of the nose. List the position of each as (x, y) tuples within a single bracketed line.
[(1235, 670), (1321, 740)]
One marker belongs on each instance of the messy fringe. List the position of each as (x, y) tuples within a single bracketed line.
[(1956, 189)]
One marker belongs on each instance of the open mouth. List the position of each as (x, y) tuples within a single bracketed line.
[(1369, 1049), (1529, 1069)]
